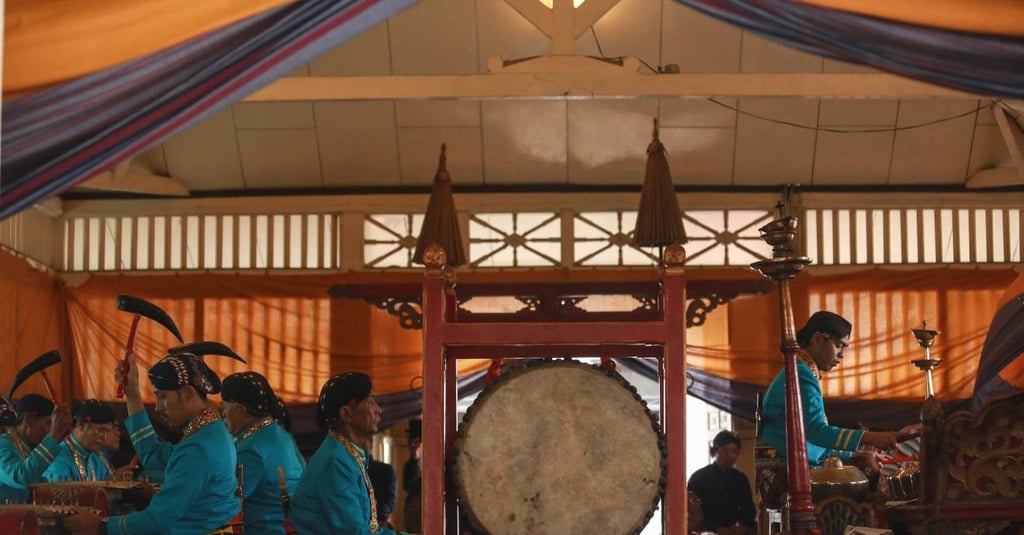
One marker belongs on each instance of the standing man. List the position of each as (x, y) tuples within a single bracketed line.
[(198, 492), (822, 342), (725, 499), (385, 487), (335, 495), (258, 419), (92, 420), (29, 441), (412, 479)]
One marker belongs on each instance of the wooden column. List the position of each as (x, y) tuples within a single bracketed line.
[(434, 396), (674, 392)]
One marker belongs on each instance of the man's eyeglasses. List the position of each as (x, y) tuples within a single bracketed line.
[(840, 345)]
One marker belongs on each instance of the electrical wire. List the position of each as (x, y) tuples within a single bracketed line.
[(816, 128), (854, 131)]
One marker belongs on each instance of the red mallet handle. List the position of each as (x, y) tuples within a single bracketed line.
[(129, 348)]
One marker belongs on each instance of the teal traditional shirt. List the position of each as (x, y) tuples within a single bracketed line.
[(72, 464), (262, 448), (332, 497), (99, 464), (21, 466), (823, 440), (198, 492)]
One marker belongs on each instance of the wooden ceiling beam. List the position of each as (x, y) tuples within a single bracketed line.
[(600, 85), (122, 178), (1013, 136)]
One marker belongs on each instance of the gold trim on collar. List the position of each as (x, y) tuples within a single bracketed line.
[(354, 450), (205, 418), (249, 431), (809, 361)]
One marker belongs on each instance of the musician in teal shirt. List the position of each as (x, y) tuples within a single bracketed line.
[(335, 496), (259, 421), (199, 491), (822, 342), (29, 442), (92, 421), (100, 460)]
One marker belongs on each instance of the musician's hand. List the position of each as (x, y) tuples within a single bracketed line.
[(869, 458), (87, 523), (148, 488), (909, 432), (60, 422), (133, 374), (125, 473), (879, 439), (132, 394)]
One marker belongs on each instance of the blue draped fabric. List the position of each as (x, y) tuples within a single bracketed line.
[(1004, 343), (984, 64), (62, 135)]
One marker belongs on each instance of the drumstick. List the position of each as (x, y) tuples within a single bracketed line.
[(282, 487)]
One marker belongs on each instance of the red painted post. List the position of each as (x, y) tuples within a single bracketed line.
[(801, 508), (451, 398), (784, 265), (433, 493), (674, 395)]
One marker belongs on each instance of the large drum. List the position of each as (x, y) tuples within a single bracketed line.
[(560, 447)]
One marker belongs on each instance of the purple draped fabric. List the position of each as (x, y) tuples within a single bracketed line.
[(62, 135), (1003, 344), (983, 64)]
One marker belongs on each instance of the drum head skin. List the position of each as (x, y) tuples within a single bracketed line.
[(560, 448)]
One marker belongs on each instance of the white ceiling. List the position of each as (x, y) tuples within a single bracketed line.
[(553, 142)]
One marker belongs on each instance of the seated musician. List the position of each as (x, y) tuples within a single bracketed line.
[(30, 435), (199, 490), (92, 420), (259, 422), (822, 342), (101, 459), (725, 498), (335, 495)]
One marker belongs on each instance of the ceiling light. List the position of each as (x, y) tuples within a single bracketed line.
[(550, 3)]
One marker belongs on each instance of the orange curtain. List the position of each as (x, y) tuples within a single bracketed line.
[(291, 331), (52, 41), (999, 17), (882, 305), (32, 322), (285, 326)]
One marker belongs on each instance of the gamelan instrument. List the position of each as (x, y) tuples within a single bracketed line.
[(108, 497), (34, 519), (560, 447)]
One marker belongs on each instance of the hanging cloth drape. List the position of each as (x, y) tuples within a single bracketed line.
[(947, 49), (63, 134), (1001, 369), (91, 36)]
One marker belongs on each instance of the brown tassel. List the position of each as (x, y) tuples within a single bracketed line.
[(441, 222), (659, 221)]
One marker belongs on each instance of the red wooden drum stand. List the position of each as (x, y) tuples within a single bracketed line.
[(445, 340)]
